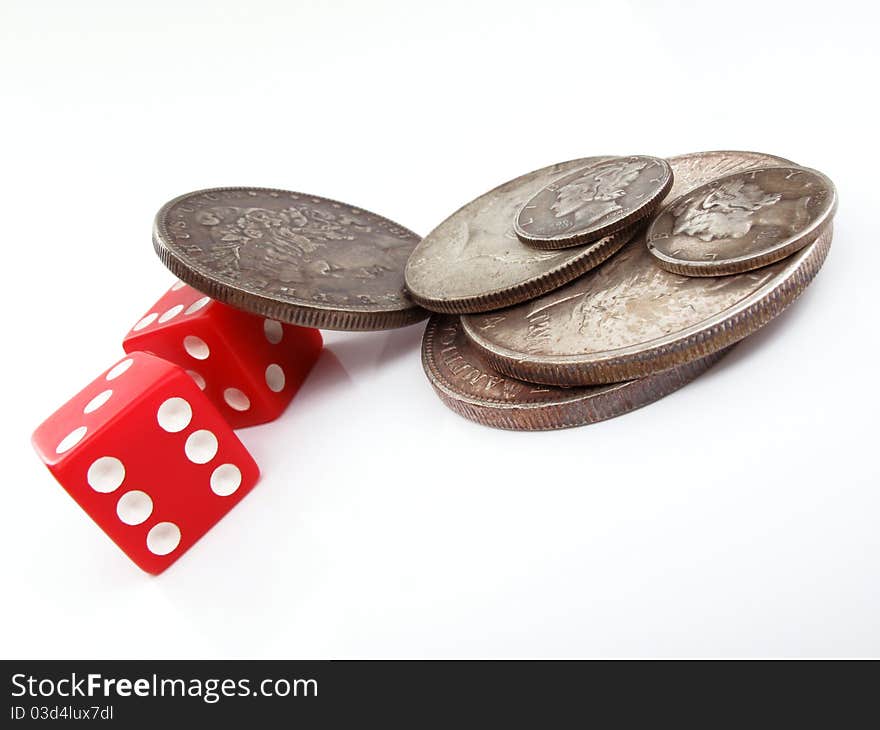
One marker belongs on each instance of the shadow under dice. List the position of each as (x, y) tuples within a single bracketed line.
[(250, 367), (148, 457)]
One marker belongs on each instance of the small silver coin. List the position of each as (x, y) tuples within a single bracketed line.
[(742, 221), (593, 201)]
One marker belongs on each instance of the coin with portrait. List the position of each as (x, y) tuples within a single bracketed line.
[(742, 221), (593, 201)]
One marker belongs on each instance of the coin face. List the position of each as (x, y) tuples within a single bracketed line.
[(629, 318), (742, 221), (593, 201), (468, 384), (474, 262), (290, 256)]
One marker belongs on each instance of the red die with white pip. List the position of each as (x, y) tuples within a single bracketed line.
[(250, 367), (148, 457)]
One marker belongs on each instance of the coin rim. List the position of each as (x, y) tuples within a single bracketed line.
[(746, 262), (562, 241), (578, 410), (745, 317), (347, 318), (596, 253)]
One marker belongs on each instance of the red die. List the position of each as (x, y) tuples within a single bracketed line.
[(147, 455), (250, 367)]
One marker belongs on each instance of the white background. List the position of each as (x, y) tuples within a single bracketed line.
[(737, 517)]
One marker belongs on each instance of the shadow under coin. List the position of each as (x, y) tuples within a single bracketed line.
[(746, 347), (327, 374), (360, 351), (401, 341)]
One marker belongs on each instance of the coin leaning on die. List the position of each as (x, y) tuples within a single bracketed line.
[(294, 257)]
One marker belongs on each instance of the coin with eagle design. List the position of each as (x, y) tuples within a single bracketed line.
[(290, 256)]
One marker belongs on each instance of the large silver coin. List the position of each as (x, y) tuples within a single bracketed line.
[(290, 256), (630, 318), (593, 201), (470, 386), (742, 221), (474, 262)]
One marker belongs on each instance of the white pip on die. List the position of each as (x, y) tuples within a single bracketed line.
[(248, 366), (148, 457)]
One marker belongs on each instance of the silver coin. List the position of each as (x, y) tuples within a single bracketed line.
[(474, 262), (742, 221), (290, 256), (593, 201), (629, 318), (470, 386)]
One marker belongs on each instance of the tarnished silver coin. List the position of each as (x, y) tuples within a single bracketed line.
[(742, 221), (473, 261), (467, 383), (629, 318), (290, 256), (593, 201)]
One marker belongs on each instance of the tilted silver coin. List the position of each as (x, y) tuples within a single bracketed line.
[(593, 201), (742, 221), (629, 318), (290, 256), (470, 386), (474, 262)]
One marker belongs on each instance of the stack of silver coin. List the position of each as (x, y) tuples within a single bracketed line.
[(589, 288)]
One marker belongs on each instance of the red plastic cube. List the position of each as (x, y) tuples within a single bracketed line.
[(250, 367), (148, 457)]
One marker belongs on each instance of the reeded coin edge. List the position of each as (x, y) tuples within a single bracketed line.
[(598, 252), (739, 267), (578, 410), (300, 312), (699, 340), (562, 241), (746, 262), (304, 316)]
